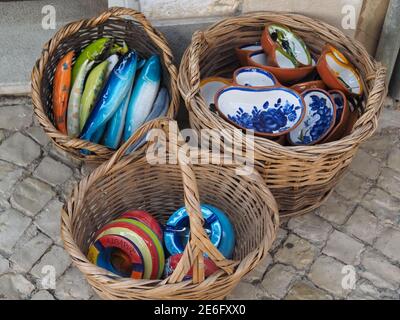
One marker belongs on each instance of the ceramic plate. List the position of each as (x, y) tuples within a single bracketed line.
[(267, 111), (254, 77), (319, 119)]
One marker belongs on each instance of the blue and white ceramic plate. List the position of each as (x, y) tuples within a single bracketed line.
[(254, 77), (319, 119), (267, 111)]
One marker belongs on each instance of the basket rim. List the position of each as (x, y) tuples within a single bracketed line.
[(106, 278), (73, 145), (364, 127)]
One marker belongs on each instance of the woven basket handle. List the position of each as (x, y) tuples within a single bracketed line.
[(199, 243), (198, 40)]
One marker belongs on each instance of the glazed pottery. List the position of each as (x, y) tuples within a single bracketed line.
[(301, 87), (227, 243), (113, 94), (353, 115), (342, 116), (143, 95), (61, 87), (160, 106), (101, 253), (244, 50), (268, 111), (210, 86), (284, 75), (92, 52), (142, 241), (147, 219), (115, 126), (177, 230), (318, 121), (338, 73), (284, 47), (254, 77), (171, 263), (93, 86), (338, 55), (216, 224), (74, 102), (154, 240)]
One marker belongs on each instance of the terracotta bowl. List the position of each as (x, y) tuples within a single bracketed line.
[(270, 112), (303, 86), (342, 116), (319, 119), (353, 116), (284, 75), (210, 86), (284, 47), (244, 50), (338, 73), (254, 77)]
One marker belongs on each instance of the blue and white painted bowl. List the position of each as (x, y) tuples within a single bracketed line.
[(319, 119), (254, 77), (270, 112), (342, 116)]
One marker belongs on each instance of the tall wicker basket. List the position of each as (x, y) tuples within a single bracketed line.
[(119, 23), (300, 177), (130, 182)]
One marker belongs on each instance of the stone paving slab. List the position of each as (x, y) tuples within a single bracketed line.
[(354, 235)]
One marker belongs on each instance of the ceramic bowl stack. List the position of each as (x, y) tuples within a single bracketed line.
[(132, 246), (287, 93)]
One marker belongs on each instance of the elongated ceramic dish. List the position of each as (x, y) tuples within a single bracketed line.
[(319, 119), (303, 86), (284, 47), (210, 86), (244, 50), (338, 73), (284, 75), (270, 112), (254, 77), (342, 116)]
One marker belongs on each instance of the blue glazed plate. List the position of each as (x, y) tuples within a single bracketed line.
[(268, 111), (319, 120)]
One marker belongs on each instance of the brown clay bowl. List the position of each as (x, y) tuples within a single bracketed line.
[(244, 50), (338, 73), (284, 47), (284, 75), (342, 116), (303, 86)]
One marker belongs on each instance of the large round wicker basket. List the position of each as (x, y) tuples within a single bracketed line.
[(129, 182), (123, 25), (299, 177)]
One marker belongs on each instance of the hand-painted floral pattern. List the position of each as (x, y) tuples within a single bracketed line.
[(339, 107), (268, 119), (319, 121)]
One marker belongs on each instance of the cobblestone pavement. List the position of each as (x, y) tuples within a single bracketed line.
[(358, 227)]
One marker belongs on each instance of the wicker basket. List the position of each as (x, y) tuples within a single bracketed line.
[(124, 183), (119, 23), (300, 177)]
